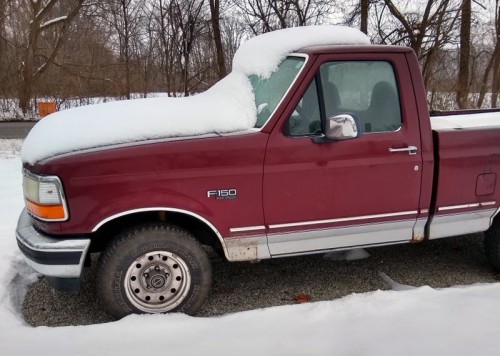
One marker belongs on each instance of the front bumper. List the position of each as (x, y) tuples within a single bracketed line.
[(61, 260)]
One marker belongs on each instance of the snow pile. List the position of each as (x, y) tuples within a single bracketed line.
[(466, 121), (262, 54), (10, 148), (455, 321), (15, 270), (228, 106)]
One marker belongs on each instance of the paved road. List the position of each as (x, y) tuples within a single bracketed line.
[(244, 286), (15, 129)]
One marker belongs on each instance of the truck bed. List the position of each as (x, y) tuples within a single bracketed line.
[(466, 178)]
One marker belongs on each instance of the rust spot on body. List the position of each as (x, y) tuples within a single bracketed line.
[(417, 238), (247, 248)]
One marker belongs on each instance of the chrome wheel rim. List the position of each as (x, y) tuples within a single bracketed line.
[(157, 282)]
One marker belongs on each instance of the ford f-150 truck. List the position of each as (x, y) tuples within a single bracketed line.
[(339, 152)]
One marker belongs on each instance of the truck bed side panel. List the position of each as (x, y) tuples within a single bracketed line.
[(467, 192)]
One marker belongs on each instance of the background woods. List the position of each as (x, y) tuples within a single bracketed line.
[(82, 49)]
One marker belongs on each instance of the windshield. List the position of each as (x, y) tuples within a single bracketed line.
[(269, 92)]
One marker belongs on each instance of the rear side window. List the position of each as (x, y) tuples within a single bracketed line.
[(367, 89)]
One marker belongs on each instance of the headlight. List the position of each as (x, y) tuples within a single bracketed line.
[(44, 197)]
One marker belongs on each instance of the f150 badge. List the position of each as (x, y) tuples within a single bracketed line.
[(222, 194)]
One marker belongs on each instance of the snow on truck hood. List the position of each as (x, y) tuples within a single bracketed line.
[(228, 106)]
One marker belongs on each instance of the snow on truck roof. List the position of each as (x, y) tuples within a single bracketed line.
[(262, 54), (228, 106)]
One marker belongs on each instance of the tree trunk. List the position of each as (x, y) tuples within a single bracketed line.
[(215, 19), (24, 94), (126, 44), (26, 71), (185, 74), (486, 75), (463, 70), (364, 15), (495, 85), (496, 81)]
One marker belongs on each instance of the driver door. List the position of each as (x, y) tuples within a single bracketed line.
[(359, 192)]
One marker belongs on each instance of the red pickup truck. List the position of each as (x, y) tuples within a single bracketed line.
[(342, 154)]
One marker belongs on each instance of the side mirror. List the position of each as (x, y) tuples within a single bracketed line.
[(340, 127)]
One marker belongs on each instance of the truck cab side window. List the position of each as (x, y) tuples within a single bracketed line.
[(365, 88), (305, 119)]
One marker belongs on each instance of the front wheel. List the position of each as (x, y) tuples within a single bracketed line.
[(153, 268)]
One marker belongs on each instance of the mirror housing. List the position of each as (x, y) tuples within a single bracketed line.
[(345, 126), (342, 127)]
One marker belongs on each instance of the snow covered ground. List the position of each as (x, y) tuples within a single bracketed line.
[(410, 321)]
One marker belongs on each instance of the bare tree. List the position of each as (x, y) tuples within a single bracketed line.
[(8, 66), (43, 20), (167, 57), (234, 31), (425, 31), (182, 26), (147, 52), (215, 20), (364, 6), (492, 63), (185, 19), (419, 29), (496, 59), (125, 35), (268, 15), (124, 17), (356, 13), (3, 14), (464, 54), (3, 42)]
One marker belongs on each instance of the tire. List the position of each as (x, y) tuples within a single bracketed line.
[(492, 244), (153, 268)]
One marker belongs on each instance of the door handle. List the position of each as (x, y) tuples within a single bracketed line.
[(412, 150)]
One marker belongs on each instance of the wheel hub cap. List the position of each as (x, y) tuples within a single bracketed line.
[(157, 282)]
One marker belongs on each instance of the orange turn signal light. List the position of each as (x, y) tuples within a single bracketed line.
[(45, 211)]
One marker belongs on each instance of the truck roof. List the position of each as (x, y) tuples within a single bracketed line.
[(354, 48)]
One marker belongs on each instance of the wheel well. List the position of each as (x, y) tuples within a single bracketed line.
[(199, 229), (496, 219)]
